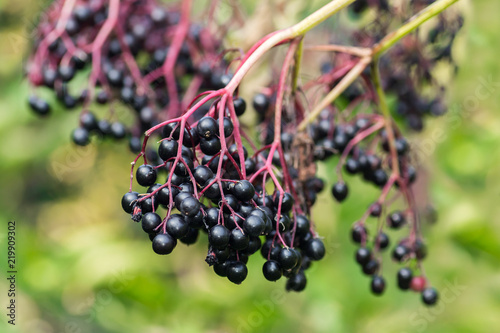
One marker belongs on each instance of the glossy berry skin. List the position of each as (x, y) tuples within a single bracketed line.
[(210, 146), (363, 256), (211, 217), (377, 285), (176, 226), (382, 240), (237, 272), (375, 209), (340, 191), (190, 206), (150, 221), (202, 174), (430, 296), (400, 252), (358, 233), (207, 128), (371, 267), (127, 201), (191, 237), (272, 270), (286, 203), (315, 249), (240, 106), (39, 106), (254, 225), (302, 225), (219, 236), (118, 130), (396, 220), (296, 282), (238, 240), (145, 175), (243, 190), (261, 103), (80, 136), (288, 258), (164, 244), (404, 278), (351, 166), (168, 149), (228, 127)]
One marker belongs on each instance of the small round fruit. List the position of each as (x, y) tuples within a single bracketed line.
[(396, 220), (219, 236), (190, 206), (404, 278), (377, 285), (296, 282), (146, 175), (315, 249), (243, 190), (271, 270), (150, 221), (80, 136), (237, 272), (128, 201), (164, 244), (363, 256), (340, 191), (430, 296), (288, 258)]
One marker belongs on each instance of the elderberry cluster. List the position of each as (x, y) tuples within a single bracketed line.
[(204, 194), (130, 68)]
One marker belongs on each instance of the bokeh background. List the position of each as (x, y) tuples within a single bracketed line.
[(85, 267)]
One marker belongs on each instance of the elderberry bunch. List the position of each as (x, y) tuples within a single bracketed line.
[(138, 54), (408, 69), (221, 192)]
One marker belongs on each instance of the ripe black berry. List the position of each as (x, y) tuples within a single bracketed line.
[(376, 209), (164, 244), (340, 191), (315, 249), (191, 237), (150, 221), (430, 296), (363, 256), (177, 227), (210, 146), (382, 240), (238, 240), (396, 220), (254, 225), (168, 149), (239, 106), (296, 282), (288, 258), (371, 267), (302, 225), (377, 285), (358, 233), (243, 190), (128, 200), (80, 136), (207, 128), (202, 174), (271, 270), (219, 236), (404, 278), (237, 272), (260, 103), (145, 175), (400, 252), (39, 106)]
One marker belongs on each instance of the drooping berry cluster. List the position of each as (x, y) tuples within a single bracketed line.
[(140, 54), (215, 187)]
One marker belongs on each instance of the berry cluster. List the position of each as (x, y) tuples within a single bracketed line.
[(141, 54), (408, 68), (215, 187)]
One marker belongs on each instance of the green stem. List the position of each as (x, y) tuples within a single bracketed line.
[(298, 62), (413, 23)]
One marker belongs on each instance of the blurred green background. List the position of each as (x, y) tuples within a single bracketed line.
[(85, 267)]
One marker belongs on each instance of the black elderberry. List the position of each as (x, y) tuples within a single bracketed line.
[(240, 106), (80, 136), (104, 126), (82, 13), (145, 175), (207, 128), (261, 103), (254, 245), (164, 244), (180, 197), (128, 200), (219, 236), (165, 193), (351, 166), (88, 121), (118, 130), (147, 205), (254, 225), (243, 190), (66, 73), (202, 174), (377, 285), (115, 77), (358, 233), (212, 192), (210, 146), (340, 191), (382, 240), (238, 240), (49, 77), (135, 144), (315, 249), (177, 227), (220, 268), (237, 272), (228, 127), (102, 97), (370, 267), (430, 296), (190, 206), (396, 220), (296, 282), (231, 201), (211, 217), (191, 237), (400, 252), (288, 258), (363, 256), (376, 209), (302, 225), (271, 270), (150, 221), (404, 278)]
